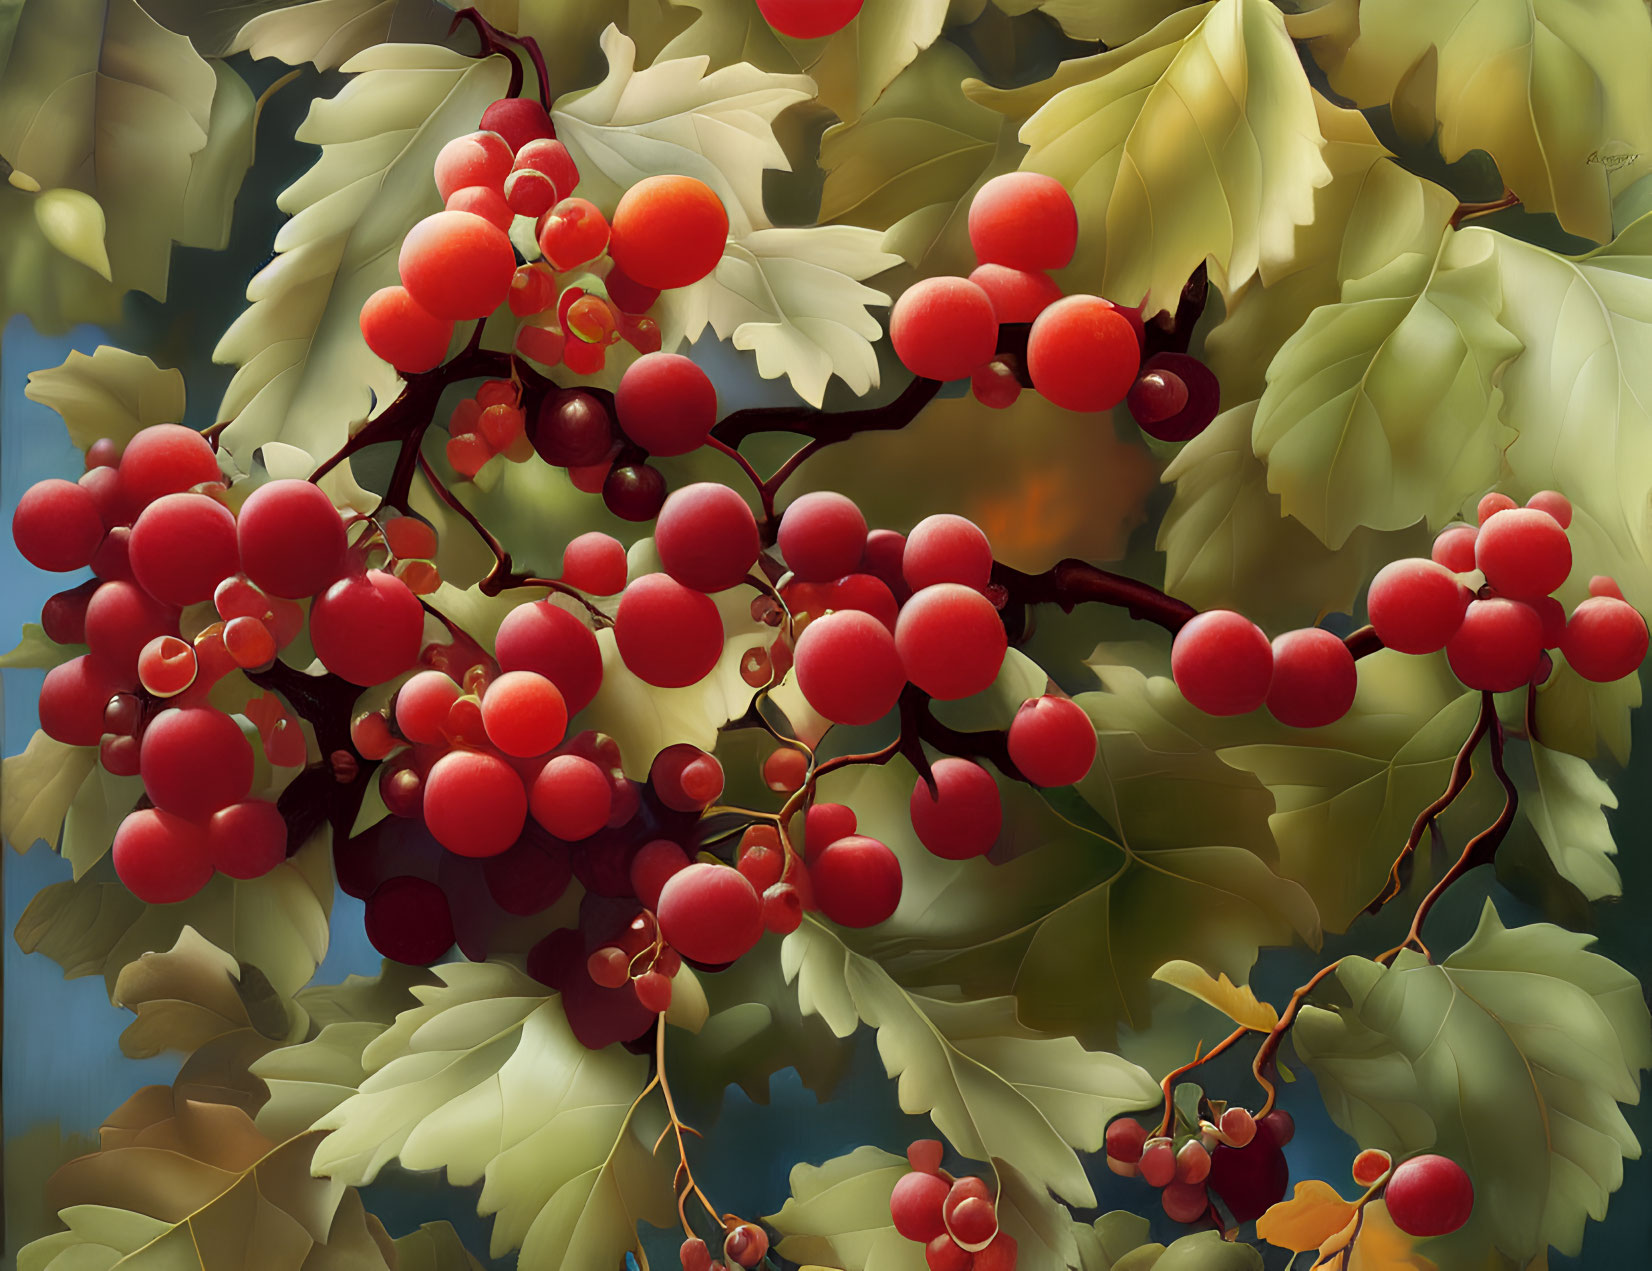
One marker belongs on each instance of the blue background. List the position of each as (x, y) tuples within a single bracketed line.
[(61, 1062)]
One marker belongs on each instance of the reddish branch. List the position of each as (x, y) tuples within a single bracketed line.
[(1467, 211)]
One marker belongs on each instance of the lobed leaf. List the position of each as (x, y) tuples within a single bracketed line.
[(113, 393), (1236, 1001), (37, 788)]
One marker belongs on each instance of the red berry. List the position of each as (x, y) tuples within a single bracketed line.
[(943, 1254), (857, 881), (1555, 504), (1000, 1255), (808, 19), (943, 328), (1524, 553), (1052, 741), (1222, 663), (1185, 1202), (964, 816), (1605, 639), (1416, 605), (1082, 354), (1429, 1196), (1492, 504), (915, 1205), (1370, 1165), (669, 231), (1125, 1137), (710, 913), (1498, 645), (924, 1155), (1024, 220), (1314, 679), (973, 1221), (1454, 548)]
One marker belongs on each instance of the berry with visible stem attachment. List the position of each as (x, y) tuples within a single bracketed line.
[(1370, 1165)]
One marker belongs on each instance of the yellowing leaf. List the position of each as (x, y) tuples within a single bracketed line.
[(434, 1246), (305, 374), (36, 652), (1228, 544), (486, 1080), (1378, 1245), (993, 1087), (194, 1185), (1113, 24), (1548, 1152), (1553, 91), (855, 66), (1197, 142), (1383, 410), (37, 787), (1236, 1001), (73, 223), (794, 297), (112, 393), (1312, 1216)]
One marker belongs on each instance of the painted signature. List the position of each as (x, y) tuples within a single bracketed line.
[(1613, 162)]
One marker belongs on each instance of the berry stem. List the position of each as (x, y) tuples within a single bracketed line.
[(493, 41), (677, 1127), (1168, 1085), (1462, 771), (1466, 211), (1270, 1044)]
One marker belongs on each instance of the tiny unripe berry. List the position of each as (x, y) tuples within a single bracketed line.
[(1193, 1162), (1238, 1127), (746, 1244)]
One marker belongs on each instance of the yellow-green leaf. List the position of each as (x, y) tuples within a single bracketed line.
[(853, 67), (994, 1088), (99, 806), (1371, 212), (1549, 1150), (305, 374), (1114, 23), (1198, 142), (486, 1080), (1236, 1001), (1228, 545), (37, 787), (1566, 805), (1554, 91), (434, 1246), (73, 222), (112, 393), (34, 651), (1383, 409)]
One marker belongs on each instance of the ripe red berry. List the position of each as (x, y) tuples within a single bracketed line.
[(1454, 548), (943, 1254), (943, 328), (1429, 1196), (1416, 605), (669, 231), (857, 881), (1052, 741), (915, 1205), (1185, 1202), (1492, 504), (1370, 1165), (1000, 1255), (1314, 679), (1497, 647), (1125, 1137), (1524, 553), (710, 913), (1222, 663), (1024, 220), (964, 816), (1605, 639), (973, 1221), (924, 1155), (1082, 354), (1555, 504), (1158, 1162)]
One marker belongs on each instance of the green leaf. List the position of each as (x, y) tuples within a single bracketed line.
[(911, 164), (486, 1080), (1384, 408), (1228, 544), (34, 651), (1580, 397), (434, 1246), (853, 67), (73, 222), (1198, 142), (995, 1088), (1566, 806), (305, 374), (1103, 1243), (37, 787), (1546, 87), (1554, 1037), (1113, 24), (193, 993), (1372, 212), (838, 1213), (1580, 718), (1348, 794), (99, 807), (755, 1029), (112, 393), (221, 165), (102, 104), (277, 923)]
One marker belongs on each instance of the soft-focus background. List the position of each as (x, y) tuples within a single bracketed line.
[(63, 1071)]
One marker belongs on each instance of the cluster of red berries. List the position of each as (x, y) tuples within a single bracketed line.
[(745, 1244), (1486, 598), (596, 280), (1237, 1158), (1084, 353), (954, 1219), (154, 521)]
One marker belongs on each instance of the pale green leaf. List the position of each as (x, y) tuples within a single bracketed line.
[(1554, 1037), (838, 1214), (911, 163), (100, 99), (1372, 212), (37, 787), (73, 222), (305, 374), (1547, 87), (1567, 805), (34, 651), (568, 32), (1103, 1243), (855, 66), (1580, 397), (674, 117), (325, 33), (794, 296), (1583, 718), (99, 806), (277, 923), (1347, 794), (1228, 545), (1115, 23), (486, 1080), (1197, 143), (112, 393), (994, 1088), (1383, 409), (219, 167)]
